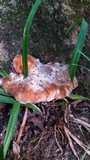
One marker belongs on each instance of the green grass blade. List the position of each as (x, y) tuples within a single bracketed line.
[(78, 48), (26, 35), (10, 100), (5, 99), (11, 125), (76, 96), (85, 56), (76, 22), (85, 154), (33, 106), (64, 104), (5, 67), (2, 92), (3, 73), (82, 67)]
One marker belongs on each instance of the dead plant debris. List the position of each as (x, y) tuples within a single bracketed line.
[(54, 134)]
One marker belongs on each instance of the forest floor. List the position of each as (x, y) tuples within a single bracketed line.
[(53, 135)]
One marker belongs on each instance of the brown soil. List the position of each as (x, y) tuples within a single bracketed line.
[(44, 134)]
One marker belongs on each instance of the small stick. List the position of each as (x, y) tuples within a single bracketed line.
[(70, 143), (22, 125), (81, 144), (57, 140), (42, 134)]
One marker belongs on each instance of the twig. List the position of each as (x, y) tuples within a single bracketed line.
[(66, 113), (82, 122), (42, 134), (88, 129), (70, 143), (22, 125), (34, 140), (61, 135), (55, 130), (82, 145), (76, 102)]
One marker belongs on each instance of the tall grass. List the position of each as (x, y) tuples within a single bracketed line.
[(5, 98), (77, 54), (26, 35), (9, 133), (78, 47)]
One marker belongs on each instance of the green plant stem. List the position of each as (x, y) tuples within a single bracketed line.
[(85, 56), (81, 67), (26, 35), (7, 99), (78, 48), (10, 129), (73, 25), (3, 73), (76, 96)]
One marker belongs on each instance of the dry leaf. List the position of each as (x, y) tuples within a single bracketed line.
[(16, 149)]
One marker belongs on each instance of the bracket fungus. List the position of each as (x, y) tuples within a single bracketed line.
[(45, 82)]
